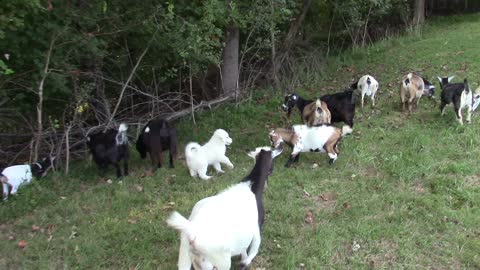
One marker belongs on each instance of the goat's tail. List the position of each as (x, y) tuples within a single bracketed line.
[(191, 148), (346, 129), (122, 137), (181, 224)]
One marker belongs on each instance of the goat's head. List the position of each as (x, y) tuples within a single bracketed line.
[(429, 89), (275, 138), (476, 99), (290, 102), (223, 136), (264, 156), (41, 168), (445, 80)]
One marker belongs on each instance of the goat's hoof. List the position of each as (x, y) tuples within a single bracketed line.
[(330, 161), (243, 266)]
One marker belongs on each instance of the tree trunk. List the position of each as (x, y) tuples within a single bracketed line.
[(290, 38), (38, 135), (419, 12), (230, 69)]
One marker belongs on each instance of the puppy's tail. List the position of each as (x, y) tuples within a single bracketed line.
[(181, 224), (191, 148)]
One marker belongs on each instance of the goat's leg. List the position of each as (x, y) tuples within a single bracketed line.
[(14, 189), (117, 169), (442, 108), (159, 159), (5, 191), (252, 251), (469, 114), (171, 159), (363, 97), (291, 159), (297, 158), (330, 148), (411, 102), (373, 100), (125, 166), (218, 167), (458, 111), (184, 260)]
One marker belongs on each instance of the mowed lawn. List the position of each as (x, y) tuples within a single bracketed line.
[(403, 194)]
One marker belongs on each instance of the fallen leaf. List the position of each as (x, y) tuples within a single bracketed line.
[(139, 188), (109, 181), (372, 263), (132, 221), (50, 238), (35, 228), (169, 206), (11, 237), (329, 196), (314, 166), (309, 218), (346, 205), (50, 228), (22, 244)]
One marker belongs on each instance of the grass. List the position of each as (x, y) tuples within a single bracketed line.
[(403, 194)]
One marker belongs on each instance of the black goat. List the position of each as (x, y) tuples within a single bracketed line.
[(341, 106), (110, 147), (157, 136), (258, 177), (457, 93)]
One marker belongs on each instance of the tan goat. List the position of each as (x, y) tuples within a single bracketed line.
[(316, 113)]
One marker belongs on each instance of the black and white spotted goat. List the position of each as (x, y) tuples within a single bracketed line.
[(15, 176), (459, 94), (227, 224)]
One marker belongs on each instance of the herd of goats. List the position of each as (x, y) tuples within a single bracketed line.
[(229, 224)]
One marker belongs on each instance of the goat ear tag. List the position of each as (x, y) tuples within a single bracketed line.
[(294, 97)]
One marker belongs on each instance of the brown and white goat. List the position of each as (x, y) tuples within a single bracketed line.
[(302, 138), (412, 89), (316, 113)]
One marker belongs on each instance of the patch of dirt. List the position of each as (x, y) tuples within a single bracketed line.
[(419, 188), (473, 180), (385, 257), (326, 201), (260, 263)]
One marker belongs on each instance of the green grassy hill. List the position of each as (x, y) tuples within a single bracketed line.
[(403, 194)]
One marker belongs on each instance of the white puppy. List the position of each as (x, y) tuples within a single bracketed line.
[(212, 153)]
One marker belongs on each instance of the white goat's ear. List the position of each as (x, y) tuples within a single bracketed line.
[(439, 79), (450, 78), (253, 154), (276, 152)]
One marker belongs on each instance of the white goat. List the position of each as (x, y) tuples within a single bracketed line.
[(226, 224), (368, 86)]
